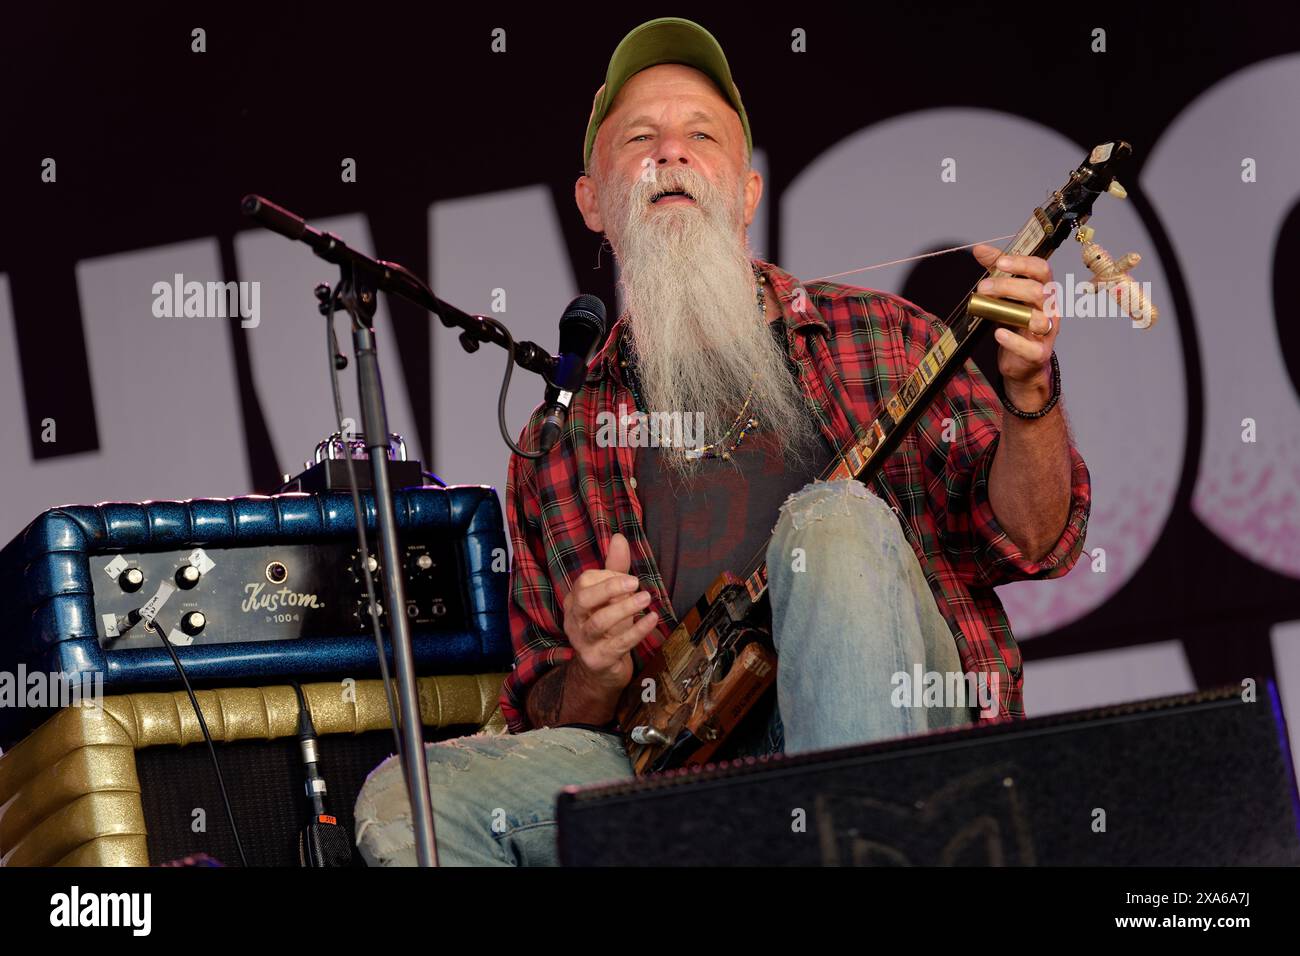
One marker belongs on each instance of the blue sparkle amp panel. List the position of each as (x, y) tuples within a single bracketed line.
[(248, 589)]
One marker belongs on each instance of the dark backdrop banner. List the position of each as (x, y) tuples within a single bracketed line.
[(448, 138)]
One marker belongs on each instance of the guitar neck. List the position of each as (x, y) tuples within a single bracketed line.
[(864, 458)]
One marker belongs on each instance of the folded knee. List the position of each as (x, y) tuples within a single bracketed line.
[(829, 503), (841, 519)]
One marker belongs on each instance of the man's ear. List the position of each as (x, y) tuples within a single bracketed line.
[(753, 193), (584, 193)]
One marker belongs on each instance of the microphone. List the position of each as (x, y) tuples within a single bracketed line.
[(582, 329), (322, 842)]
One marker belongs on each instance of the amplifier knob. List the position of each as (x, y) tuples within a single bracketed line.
[(424, 562), (194, 622), (187, 575), (360, 567), (132, 579)]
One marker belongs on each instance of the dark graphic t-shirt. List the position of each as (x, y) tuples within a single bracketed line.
[(722, 518)]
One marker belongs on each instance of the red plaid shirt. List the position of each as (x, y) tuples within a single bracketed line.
[(853, 348)]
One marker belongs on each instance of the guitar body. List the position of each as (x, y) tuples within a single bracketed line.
[(706, 677)]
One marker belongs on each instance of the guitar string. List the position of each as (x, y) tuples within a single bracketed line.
[(924, 255)]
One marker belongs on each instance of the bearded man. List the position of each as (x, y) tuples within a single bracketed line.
[(613, 543)]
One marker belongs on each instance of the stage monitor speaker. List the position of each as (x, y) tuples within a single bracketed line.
[(1197, 780)]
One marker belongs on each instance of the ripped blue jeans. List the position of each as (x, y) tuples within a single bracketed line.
[(851, 612)]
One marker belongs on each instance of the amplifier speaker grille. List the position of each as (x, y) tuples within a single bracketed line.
[(265, 781)]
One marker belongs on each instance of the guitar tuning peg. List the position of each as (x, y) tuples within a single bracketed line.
[(1085, 233), (1116, 190)]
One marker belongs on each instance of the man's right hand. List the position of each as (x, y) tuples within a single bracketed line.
[(599, 621)]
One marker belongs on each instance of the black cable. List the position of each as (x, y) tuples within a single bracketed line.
[(332, 342), (505, 388), (305, 725), (207, 737)]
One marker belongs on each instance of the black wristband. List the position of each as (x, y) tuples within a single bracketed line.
[(1051, 402)]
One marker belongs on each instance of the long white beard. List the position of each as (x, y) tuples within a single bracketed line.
[(690, 295)]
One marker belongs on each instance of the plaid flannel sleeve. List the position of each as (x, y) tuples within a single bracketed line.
[(982, 553), (536, 618)]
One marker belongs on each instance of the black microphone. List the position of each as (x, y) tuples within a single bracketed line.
[(322, 842), (582, 330)]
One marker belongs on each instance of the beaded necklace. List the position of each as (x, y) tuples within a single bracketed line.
[(745, 422)]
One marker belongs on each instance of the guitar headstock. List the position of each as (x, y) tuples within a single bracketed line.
[(1066, 212), (1071, 205), (1068, 209)]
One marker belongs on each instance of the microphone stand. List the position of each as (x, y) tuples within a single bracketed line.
[(358, 296), (360, 280)]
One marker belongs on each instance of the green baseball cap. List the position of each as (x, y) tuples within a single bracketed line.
[(666, 40)]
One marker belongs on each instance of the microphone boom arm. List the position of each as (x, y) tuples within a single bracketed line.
[(395, 278)]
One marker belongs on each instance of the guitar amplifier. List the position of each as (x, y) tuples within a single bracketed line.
[(1196, 780), (249, 588)]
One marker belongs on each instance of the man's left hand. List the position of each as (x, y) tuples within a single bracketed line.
[(1024, 355)]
